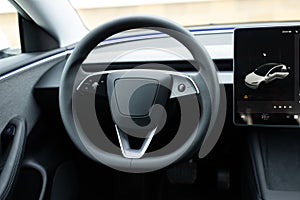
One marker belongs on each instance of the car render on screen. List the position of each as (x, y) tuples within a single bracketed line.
[(265, 74)]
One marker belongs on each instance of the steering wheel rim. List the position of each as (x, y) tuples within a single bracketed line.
[(206, 80)]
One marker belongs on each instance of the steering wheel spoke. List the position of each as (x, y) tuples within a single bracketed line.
[(93, 84), (183, 85), (126, 149)]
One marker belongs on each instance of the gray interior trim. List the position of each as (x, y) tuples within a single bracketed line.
[(153, 51), (19, 101), (163, 48), (149, 34), (35, 64), (224, 77), (13, 63)]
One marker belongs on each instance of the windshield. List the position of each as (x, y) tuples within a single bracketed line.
[(190, 12)]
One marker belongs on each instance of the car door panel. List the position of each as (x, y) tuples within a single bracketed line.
[(18, 108), (16, 91)]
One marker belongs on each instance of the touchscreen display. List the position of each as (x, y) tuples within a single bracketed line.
[(266, 76)]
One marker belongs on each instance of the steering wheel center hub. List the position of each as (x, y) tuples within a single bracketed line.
[(135, 97)]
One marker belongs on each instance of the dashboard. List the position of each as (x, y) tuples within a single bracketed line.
[(259, 67), (266, 76)]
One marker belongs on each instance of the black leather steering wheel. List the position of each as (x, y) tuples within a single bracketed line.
[(137, 99)]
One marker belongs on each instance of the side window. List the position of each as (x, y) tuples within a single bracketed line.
[(276, 69), (9, 31)]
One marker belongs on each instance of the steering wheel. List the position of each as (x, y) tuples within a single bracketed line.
[(137, 101)]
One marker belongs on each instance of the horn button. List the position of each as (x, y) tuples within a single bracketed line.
[(137, 100), (135, 96)]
